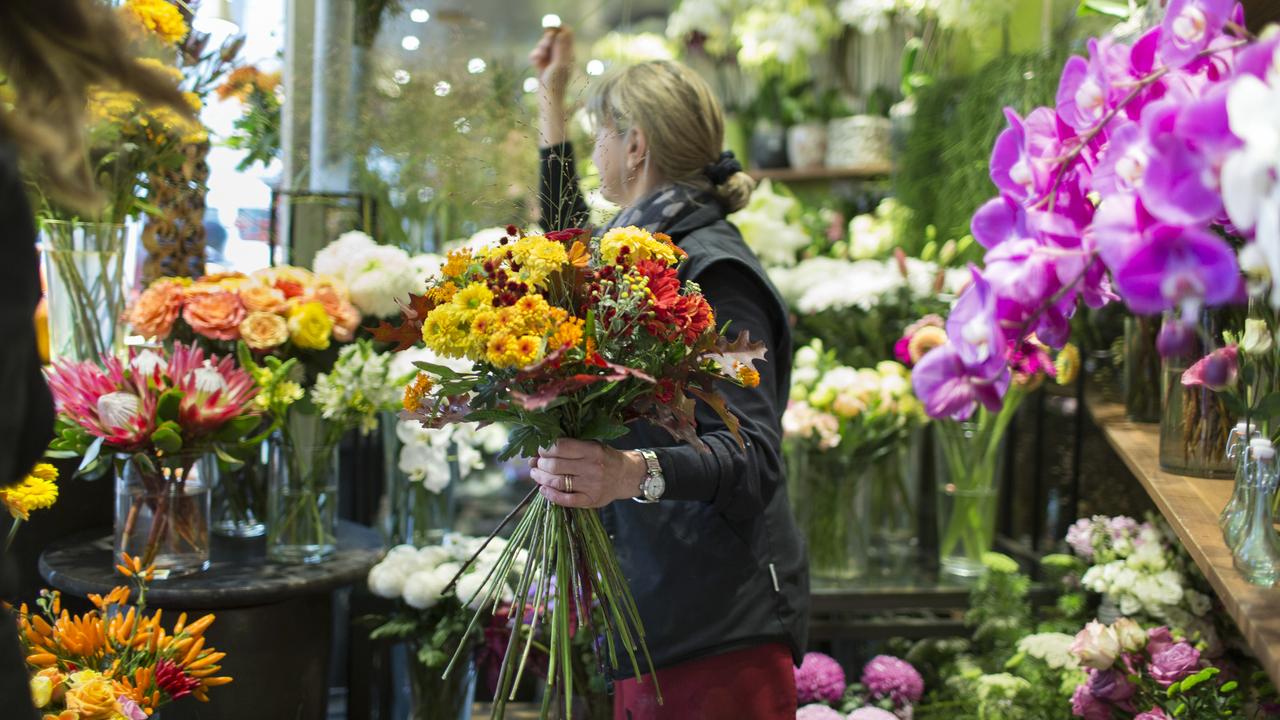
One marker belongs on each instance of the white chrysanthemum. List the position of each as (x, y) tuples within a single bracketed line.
[(425, 268), (379, 278), (118, 409), (336, 257), (422, 590), (387, 580)]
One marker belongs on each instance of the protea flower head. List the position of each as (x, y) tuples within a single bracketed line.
[(106, 401), (215, 390)]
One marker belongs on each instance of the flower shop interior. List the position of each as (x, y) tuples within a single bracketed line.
[(362, 323)]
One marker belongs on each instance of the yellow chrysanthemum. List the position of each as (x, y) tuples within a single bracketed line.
[(568, 334), (415, 391), (160, 17), (527, 350), (474, 298), (37, 491), (538, 258), (499, 350), (447, 331), (442, 294), (628, 245), (1067, 364), (747, 375), (459, 260)]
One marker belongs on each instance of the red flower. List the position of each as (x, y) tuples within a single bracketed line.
[(565, 235), (171, 679), (674, 315)]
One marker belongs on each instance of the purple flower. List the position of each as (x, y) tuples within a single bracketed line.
[(950, 389), (889, 677), (1189, 27), (974, 329), (818, 712), (1177, 338), (1023, 159), (1120, 526), (819, 679), (1083, 91), (1085, 705), (1216, 371), (1110, 685), (1080, 538), (130, 709), (1158, 640), (1124, 167), (1180, 186), (1173, 663)]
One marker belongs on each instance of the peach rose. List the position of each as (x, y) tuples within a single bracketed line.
[(157, 308), (292, 281), (258, 297), (215, 314), (93, 700), (264, 330), (345, 316)]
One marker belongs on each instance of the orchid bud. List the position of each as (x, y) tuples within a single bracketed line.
[(1176, 338)]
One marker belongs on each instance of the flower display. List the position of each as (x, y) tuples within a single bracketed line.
[(1114, 192), (115, 661), (889, 677), (359, 386), (380, 277), (819, 679)]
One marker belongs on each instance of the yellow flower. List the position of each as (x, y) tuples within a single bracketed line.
[(264, 330), (568, 334), (442, 294), (41, 691), (416, 391), (747, 375), (1067, 364), (527, 350), (447, 331), (629, 245), (538, 258), (36, 492), (310, 326), (92, 698), (925, 339), (458, 262), (474, 298), (160, 17)]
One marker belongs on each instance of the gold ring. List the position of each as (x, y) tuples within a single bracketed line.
[(568, 483)]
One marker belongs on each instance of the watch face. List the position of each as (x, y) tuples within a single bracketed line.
[(654, 487)]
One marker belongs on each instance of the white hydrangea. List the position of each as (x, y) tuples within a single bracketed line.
[(1053, 648), (334, 258)]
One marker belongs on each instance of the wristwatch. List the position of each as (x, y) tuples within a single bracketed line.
[(654, 484)]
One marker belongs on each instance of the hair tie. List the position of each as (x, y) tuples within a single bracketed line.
[(721, 170)]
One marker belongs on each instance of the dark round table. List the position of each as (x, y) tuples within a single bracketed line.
[(274, 621)]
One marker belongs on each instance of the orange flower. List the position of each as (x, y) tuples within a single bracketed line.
[(157, 308), (229, 280), (567, 335), (457, 263), (925, 339), (292, 281), (264, 330), (260, 297), (416, 391), (92, 699), (214, 313), (747, 375), (442, 294)]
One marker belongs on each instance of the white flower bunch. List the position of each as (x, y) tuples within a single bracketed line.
[(776, 31), (1051, 647), (822, 283), (379, 277), (802, 421), (868, 16), (359, 386), (769, 225), (713, 19), (420, 576), (1251, 175)]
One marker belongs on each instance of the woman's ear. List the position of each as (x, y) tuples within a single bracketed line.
[(637, 148)]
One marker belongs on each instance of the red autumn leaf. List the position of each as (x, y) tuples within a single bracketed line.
[(677, 418), (404, 336), (716, 402)]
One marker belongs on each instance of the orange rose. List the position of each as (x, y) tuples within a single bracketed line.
[(157, 308), (93, 699), (346, 318), (215, 314), (264, 330), (258, 297)]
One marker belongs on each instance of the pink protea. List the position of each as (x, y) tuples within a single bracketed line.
[(214, 389), (106, 401), (887, 676), (819, 679)]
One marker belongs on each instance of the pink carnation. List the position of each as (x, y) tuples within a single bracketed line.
[(887, 676), (819, 679), (817, 712)]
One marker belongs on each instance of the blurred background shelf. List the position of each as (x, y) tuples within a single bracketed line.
[(824, 174)]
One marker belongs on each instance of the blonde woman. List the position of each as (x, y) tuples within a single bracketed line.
[(710, 549), (51, 51)]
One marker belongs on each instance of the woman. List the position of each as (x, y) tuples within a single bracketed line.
[(711, 553), (51, 51)]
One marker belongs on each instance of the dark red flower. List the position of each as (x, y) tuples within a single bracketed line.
[(565, 235), (171, 679), (513, 231)]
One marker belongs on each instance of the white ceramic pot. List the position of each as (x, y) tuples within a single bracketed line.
[(807, 145), (859, 140)]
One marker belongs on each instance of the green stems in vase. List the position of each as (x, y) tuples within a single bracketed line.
[(303, 494)]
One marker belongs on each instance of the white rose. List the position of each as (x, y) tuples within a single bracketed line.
[(423, 588), (386, 580)]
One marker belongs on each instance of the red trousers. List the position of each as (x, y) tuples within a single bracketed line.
[(756, 683)]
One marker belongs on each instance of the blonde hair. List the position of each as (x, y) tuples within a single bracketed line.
[(51, 52), (681, 118)]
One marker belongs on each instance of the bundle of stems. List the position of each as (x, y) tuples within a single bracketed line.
[(565, 564)]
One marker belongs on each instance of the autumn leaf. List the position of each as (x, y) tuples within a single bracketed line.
[(409, 332), (729, 355), (716, 402), (677, 418)]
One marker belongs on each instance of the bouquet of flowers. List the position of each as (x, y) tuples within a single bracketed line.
[(284, 311), (380, 277), (160, 413), (571, 337), (1134, 565), (115, 661)]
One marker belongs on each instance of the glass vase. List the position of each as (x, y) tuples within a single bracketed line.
[(970, 460), (1141, 369), (302, 496), (827, 497), (87, 284), (162, 511), (1195, 423), (892, 484), (1232, 518), (422, 474), (239, 497), (1257, 554), (440, 698)]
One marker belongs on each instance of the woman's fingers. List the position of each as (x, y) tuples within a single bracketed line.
[(573, 449), (562, 45), (564, 499)]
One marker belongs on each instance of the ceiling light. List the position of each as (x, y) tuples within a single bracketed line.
[(410, 43), (551, 20), (419, 15)]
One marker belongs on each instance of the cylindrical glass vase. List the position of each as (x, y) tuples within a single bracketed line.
[(828, 500), (1195, 423), (87, 285), (1141, 369), (440, 698), (892, 483), (302, 496), (240, 496), (969, 463), (422, 474), (162, 511)]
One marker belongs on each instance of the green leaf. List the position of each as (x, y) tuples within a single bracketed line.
[(440, 371), (239, 428), (90, 455), (602, 428), (228, 461), (1229, 687), (169, 404), (1269, 407), (166, 440), (1111, 8)]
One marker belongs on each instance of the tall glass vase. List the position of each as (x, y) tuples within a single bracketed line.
[(239, 496), (440, 698), (1196, 424), (1257, 553), (87, 288), (1141, 369), (892, 483), (827, 497), (162, 511), (302, 497), (422, 508), (970, 462)]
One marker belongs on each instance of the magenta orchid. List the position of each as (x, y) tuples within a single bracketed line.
[(1115, 193)]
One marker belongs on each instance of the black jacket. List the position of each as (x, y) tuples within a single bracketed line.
[(717, 564)]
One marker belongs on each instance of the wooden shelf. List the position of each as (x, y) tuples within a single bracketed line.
[(1191, 505), (824, 174)]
